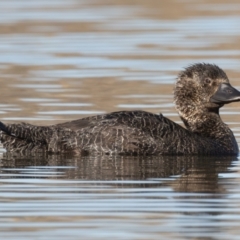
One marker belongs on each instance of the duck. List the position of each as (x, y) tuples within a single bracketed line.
[(200, 91)]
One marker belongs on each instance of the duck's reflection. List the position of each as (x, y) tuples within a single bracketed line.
[(187, 173)]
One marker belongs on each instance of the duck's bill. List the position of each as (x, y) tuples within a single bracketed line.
[(225, 94)]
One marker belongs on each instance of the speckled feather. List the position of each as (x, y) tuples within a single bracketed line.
[(124, 133), (137, 132)]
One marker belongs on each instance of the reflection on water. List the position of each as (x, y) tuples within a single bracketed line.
[(122, 197), (118, 167), (62, 60)]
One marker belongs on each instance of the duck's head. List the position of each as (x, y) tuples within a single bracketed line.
[(203, 88)]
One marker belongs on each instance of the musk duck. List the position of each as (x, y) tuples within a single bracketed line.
[(201, 90)]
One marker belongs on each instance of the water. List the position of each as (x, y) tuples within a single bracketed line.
[(63, 60), (117, 197)]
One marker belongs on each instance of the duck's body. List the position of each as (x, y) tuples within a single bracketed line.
[(139, 132)]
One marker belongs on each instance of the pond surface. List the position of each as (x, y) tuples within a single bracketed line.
[(63, 60)]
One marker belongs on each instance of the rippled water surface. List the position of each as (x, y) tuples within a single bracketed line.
[(63, 60)]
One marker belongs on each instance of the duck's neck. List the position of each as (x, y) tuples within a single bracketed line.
[(210, 125), (202, 123), (207, 123)]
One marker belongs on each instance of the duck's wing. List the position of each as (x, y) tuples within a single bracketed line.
[(130, 133)]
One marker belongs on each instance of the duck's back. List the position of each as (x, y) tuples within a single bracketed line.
[(127, 132), (124, 133)]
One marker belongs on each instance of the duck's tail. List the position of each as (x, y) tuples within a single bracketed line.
[(29, 138), (4, 129)]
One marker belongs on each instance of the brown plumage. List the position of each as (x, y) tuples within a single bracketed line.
[(200, 91)]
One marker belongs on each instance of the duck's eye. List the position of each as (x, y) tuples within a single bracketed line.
[(207, 80)]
